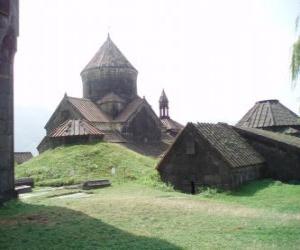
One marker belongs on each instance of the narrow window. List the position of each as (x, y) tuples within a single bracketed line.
[(190, 147)]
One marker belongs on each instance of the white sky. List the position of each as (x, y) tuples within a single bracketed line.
[(214, 58)]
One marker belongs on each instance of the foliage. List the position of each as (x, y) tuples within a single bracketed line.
[(295, 60)]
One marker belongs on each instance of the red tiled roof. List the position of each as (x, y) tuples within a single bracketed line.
[(75, 128)]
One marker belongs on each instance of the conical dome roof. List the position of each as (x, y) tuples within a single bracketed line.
[(109, 56), (269, 113)]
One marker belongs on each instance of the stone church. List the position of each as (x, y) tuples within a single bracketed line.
[(112, 107)]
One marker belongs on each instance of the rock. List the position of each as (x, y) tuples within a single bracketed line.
[(24, 181), (95, 184), (23, 189)]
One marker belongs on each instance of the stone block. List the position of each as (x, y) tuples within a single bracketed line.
[(95, 184), (23, 189), (24, 181)]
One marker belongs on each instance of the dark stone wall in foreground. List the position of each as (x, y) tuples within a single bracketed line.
[(8, 40)]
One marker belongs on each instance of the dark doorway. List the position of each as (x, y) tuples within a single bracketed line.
[(193, 190)]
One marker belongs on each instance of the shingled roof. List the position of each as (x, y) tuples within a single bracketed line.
[(170, 124), (89, 110), (285, 139), (268, 113), (75, 128), (109, 56), (232, 147)]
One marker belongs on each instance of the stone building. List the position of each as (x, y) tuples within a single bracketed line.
[(281, 152), (8, 45), (21, 157), (209, 155), (111, 104), (271, 115)]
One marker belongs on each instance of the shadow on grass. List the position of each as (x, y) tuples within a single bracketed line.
[(253, 187), (26, 226)]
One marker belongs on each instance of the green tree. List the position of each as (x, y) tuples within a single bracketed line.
[(295, 62)]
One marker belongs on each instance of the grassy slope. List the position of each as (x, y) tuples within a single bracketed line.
[(74, 164), (132, 216)]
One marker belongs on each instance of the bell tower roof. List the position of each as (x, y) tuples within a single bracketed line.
[(163, 97), (109, 56)]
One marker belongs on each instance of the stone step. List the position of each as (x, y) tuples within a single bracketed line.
[(95, 184)]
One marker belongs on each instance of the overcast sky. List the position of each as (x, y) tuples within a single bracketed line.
[(214, 58)]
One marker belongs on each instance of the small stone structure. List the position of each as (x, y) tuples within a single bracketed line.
[(281, 152), (71, 132), (95, 184), (111, 104), (209, 155), (21, 157), (9, 30), (271, 115)]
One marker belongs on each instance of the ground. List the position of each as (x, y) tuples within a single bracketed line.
[(261, 215)]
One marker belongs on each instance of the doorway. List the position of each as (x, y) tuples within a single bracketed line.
[(193, 189)]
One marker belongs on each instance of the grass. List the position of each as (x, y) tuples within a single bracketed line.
[(74, 164), (134, 216), (140, 212)]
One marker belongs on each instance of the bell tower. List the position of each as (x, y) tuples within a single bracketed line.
[(163, 106)]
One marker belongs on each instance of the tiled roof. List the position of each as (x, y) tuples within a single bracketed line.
[(21, 157), (233, 147), (109, 56), (170, 124), (89, 110), (279, 137), (268, 113), (75, 128), (130, 109)]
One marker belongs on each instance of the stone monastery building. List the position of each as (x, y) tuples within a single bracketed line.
[(110, 108)]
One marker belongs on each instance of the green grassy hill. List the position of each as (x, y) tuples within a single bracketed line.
[(74, 164)]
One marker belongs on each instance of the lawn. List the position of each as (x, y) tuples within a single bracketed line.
[(136, 216)]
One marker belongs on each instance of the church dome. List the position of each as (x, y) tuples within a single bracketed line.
[(109, 71)]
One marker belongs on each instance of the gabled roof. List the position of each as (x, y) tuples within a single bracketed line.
[(109, 56), (268, 113), (234, 148), (75, 128), (170, 124), (89, 110), (280, 138), (130, 109)]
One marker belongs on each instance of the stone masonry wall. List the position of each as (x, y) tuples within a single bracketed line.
[(8, 35)]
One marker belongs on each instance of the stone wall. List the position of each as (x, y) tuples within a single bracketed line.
[(51, 143), (99, 82), (283, 160), (8, 42), (144, 127)]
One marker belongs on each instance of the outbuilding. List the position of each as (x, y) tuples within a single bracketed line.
[(214, 155)]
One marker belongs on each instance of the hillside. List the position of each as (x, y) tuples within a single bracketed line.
[(74, 164)]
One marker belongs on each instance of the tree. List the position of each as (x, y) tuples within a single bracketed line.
[(295, 62)]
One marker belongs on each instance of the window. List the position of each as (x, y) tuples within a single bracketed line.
[(190, 147)]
